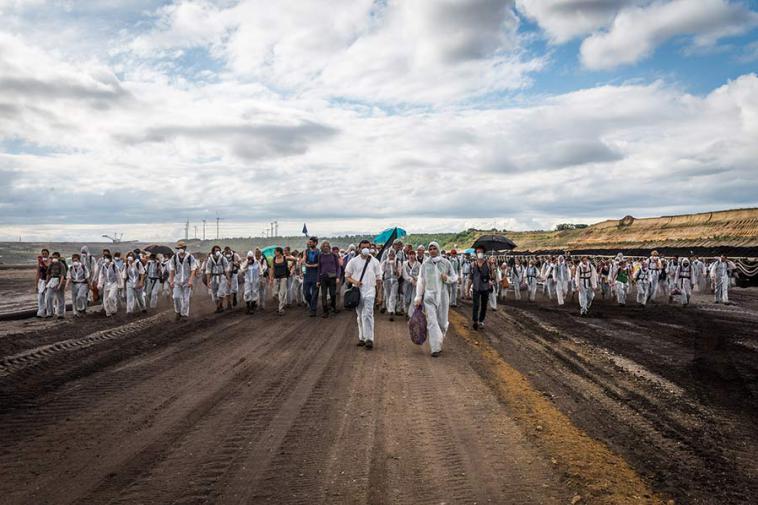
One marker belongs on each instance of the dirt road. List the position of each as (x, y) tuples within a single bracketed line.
[(235, 409), (229, 408)]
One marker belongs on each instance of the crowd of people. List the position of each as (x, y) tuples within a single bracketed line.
[(397, 279)]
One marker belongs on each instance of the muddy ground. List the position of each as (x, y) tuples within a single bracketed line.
[(627, 406)]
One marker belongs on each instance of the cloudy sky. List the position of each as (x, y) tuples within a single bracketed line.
[(353, 115)]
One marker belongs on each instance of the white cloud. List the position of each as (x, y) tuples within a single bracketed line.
[(564, 20), (301, 113), (410, 51), (637, 31)]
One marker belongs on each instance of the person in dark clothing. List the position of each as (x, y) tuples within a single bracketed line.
[(482, 287), (278, 275), (310, 279), (328, 272)]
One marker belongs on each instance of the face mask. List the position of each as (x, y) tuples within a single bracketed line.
[(480, 256), (365, 251), (130, 259), (55, 260), (217, 254), (373, 251), (107, 261), (76, 264)]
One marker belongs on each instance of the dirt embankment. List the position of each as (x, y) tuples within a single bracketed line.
[(735, 228)]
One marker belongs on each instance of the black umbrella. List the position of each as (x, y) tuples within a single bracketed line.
[(494, 243), (159, 249)]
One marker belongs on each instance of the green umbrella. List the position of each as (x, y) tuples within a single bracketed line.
[(268, 253)]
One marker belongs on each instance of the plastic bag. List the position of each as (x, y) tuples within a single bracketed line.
[(417, 326)]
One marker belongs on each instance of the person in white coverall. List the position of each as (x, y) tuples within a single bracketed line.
[(134, 280), (457, 265), (182, 268), (586, 283), (654, 271), (78, 278), (562, 279), (516, 278), (720, 272), (369, 284), (531, 274), (391, 272), (108, 284), (217, 277), (410, 277), (251, 273), (432, 290), (234, 261), (683, 281), (153, 272), (620, 277), (642, 279)]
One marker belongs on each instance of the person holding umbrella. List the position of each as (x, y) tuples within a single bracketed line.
[(435, 275), (482, 285)]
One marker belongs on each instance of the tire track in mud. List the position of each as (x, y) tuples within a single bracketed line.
[(693, 448), (212, 416), (589, 465), (289, 427), (291, 447), (57, 426), (33, 357)]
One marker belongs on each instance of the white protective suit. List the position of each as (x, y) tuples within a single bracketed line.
[(251, 273), (642, 278), (365, 310), (217, 269), (620, 277), (390, 280), (55, 295), (433, 291), (455, 262), (562, 279), (164, 275), (183, 267), (90, 263), (516, 278), (135, 300), (586, 283), (410, 279), (108, 283), (78, 277), (152, 281), (654, 268), (531, 273), (683, 281), (699, 276), (263, 284), (720, 273), (234, 261), (465, 279)]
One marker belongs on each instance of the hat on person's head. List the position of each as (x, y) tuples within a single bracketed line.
[(181, 245), (433, 244), (250, 254), (397, 241), (453, 251)]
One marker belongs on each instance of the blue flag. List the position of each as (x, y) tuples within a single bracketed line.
[(305, 230)]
